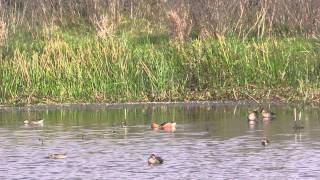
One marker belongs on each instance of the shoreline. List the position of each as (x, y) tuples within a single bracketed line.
[(40, 107)]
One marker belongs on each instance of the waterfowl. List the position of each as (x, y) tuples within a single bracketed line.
[(165, 125), (33, 122), (265, 142), (252, 115), (267, 114), (57, 156), (168, 125), (153, 160), (124, 124)]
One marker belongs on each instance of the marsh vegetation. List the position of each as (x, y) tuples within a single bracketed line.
[(158, 50)]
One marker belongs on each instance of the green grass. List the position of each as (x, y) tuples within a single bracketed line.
[(71, 66)]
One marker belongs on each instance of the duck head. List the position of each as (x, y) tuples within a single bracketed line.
[(155, 126)]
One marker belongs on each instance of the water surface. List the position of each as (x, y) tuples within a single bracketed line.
[(210, 142)]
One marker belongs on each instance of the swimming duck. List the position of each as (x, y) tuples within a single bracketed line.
[(165, 125), (124, 124), (153, 160), (265, 142), (33, 122), (168, 125), (57, 156), (267, 114), (252, 115)]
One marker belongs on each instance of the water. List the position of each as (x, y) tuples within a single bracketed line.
[(210, 142)]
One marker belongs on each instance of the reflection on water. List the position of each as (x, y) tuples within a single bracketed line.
[(210, 142)]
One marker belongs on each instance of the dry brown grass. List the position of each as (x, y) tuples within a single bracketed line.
[(178, 26), (3, 32), (205, 18), (104, 26)]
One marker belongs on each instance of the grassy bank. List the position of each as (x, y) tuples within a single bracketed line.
[(75, 66)]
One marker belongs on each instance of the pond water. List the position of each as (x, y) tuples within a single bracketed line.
[(212, 141)]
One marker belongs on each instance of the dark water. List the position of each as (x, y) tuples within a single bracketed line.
[(210, 142)]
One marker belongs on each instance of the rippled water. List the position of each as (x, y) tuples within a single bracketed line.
[(210, 142)]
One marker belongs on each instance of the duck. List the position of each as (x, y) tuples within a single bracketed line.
[(165, 125), (154, 160), (34, 122), (168, 125), (252, 115), (265, 142), (57, 156), (267, 114), (124, 124)]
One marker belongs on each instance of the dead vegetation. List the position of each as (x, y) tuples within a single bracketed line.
[(181, 18)]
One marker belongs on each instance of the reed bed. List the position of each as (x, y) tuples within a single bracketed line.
[(124, 50), (71, 67)]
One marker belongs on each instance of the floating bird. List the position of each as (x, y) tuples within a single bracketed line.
[(153, 160), (267, 114), (265, 142), (168, 125), (165, 125), (124, 124), (38, 122), (57, 156), (252, 115), (297, 126)]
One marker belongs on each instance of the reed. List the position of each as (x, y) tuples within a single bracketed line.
[(203, 18), (67, 66)]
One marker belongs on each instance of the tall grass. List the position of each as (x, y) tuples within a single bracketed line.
[(69, 66), (156, 50)]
